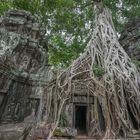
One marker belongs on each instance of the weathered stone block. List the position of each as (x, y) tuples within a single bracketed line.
[(65, 132), (11, 131)]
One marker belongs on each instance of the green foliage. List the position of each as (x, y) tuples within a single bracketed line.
[(58, 133), (69, 23), (136, 62), (5, 5), (9, 63), (63, 120), (98, 70)]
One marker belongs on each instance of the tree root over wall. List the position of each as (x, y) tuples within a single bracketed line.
[(117, 90)]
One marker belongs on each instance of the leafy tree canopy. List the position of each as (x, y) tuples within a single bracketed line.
[(69, 23)]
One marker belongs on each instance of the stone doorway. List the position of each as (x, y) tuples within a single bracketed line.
[(81, 119)]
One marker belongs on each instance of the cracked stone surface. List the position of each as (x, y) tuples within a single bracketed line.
[(24, 72)]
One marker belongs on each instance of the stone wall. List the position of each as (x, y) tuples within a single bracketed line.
[(23, 67), (130, 40)]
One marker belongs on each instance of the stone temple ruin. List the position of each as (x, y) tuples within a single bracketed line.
[(23, 55), (28, 86), (23, 67)]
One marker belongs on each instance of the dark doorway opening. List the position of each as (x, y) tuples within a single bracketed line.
[(80, 119)]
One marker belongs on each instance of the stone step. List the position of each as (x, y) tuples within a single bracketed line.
[(39, 139), (83, 138), (79, 137)]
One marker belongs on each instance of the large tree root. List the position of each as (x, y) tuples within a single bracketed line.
[(117, 90)]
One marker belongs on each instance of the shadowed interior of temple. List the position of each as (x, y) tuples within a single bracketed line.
[(80, 119)]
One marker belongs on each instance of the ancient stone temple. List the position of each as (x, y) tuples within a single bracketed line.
[(23, 67), (33, 96)]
